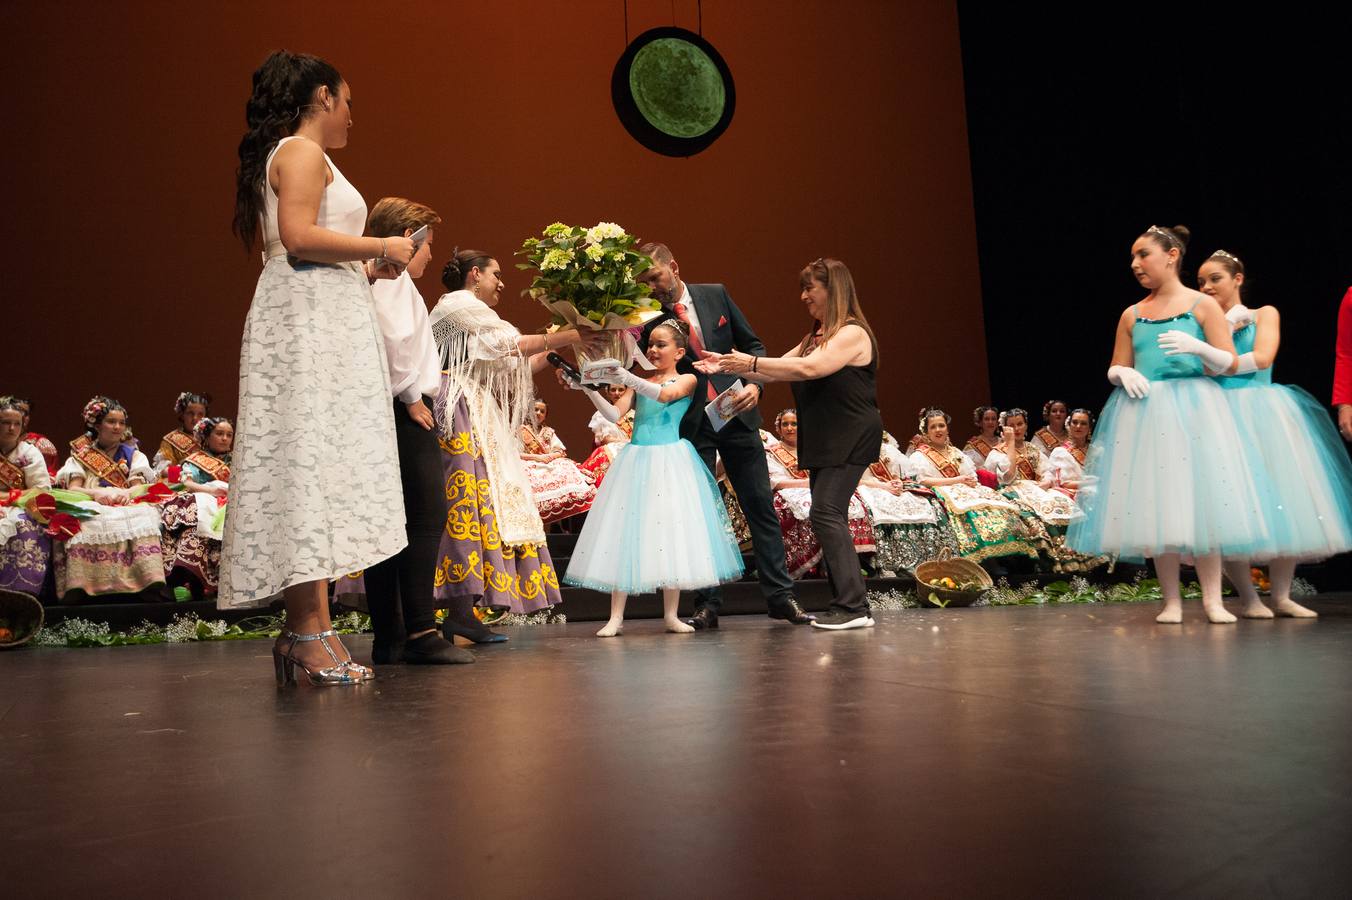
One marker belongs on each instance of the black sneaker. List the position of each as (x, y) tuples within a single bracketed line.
[(837, 619)]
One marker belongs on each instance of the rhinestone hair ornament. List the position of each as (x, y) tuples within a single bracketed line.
[(1169, 237), (1226, 254)]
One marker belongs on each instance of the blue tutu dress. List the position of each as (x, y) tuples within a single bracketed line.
[(1305, 490), (1165, 474), (658, 520)]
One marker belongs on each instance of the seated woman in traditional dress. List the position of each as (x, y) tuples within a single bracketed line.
[(561, 489), (985, 525), (118, 551), (1067, 461), (1026, 479), (190, 408), (50, 455), (25, 548), (191, 534), (987, 419), (1053, 433), (793, 502), (607, 437), (909, 522)]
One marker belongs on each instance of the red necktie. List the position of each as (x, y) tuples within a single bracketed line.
[(696, 345)]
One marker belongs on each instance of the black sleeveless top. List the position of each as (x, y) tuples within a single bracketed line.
[(838, 418)]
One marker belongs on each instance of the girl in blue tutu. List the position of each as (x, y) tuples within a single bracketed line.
[(658, 520), (1305, 484), (1154, 485)]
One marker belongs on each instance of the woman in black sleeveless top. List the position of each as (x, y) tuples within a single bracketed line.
[(833, 370)]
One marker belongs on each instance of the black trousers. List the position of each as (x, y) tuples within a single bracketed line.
[(744, 461), (399, 589), (832, 488)]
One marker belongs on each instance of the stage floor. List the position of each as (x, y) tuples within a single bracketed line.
[(1070, 750)]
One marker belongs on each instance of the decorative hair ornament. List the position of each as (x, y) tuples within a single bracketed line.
[(188, 397), (96, 409), (1169, 237), (204, 427), (1226, 254), (929, 412), (1011, 413)]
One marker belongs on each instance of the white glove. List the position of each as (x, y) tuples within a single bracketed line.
[(643, 388), (1247, 364), (1239, 315), (1133, 382), (1176, 343), (603, 406)]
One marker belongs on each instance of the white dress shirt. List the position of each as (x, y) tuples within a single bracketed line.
[(410, 352)]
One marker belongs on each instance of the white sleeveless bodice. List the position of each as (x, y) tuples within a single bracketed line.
[(341, 209)]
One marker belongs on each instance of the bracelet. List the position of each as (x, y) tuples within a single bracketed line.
[(753, 362), (382, 249)]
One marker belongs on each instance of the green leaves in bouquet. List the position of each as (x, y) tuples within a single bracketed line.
[(595, 270)]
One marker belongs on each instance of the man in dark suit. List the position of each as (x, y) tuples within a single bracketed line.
[(716, 324)]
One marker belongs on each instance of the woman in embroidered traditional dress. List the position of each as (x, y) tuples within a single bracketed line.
[(561, 489), (1067, 461), (793, 502), (1053, 433), (50, 455), (607, 437), (909, 522), (190, 534), (1025, 478), (25, 548), (1305, 478), (980, 445), (493, 552), (189, 408), (1166, 476), (118, 551), (305, 508), (985, 525)]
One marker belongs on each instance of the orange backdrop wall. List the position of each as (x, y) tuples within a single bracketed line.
[(849, 140)]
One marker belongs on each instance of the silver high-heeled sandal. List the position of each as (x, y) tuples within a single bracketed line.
[(343, 671)]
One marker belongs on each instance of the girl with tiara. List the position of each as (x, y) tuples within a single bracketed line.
[(1306, 487), (657, 521), (1154, 484)]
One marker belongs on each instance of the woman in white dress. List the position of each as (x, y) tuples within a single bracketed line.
[(1067, 461), (1026, 478), (304, 507), (980, 445)]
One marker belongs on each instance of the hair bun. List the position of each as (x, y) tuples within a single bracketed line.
[(1183, 233)]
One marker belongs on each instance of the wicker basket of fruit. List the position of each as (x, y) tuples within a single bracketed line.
[(20, 619), (948, 582)]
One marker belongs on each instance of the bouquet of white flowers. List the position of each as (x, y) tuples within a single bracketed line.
[(588, 279)]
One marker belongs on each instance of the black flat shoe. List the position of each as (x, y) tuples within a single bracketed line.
[(383, 654), (790, 611), (704, 619), (434, 650), (474, 631)]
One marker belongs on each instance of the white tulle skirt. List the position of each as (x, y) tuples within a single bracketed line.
[(657, 521), (1169, 474)]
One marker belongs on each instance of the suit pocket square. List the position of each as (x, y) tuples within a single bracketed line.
[(722, 320)]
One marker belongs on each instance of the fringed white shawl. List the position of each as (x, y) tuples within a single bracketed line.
[(482, 364)]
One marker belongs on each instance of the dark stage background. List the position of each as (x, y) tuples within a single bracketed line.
[(1085, 132), (849, 140)]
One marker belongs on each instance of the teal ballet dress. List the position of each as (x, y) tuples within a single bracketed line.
[(1303, 475), (658, 519), (1168, 473)]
